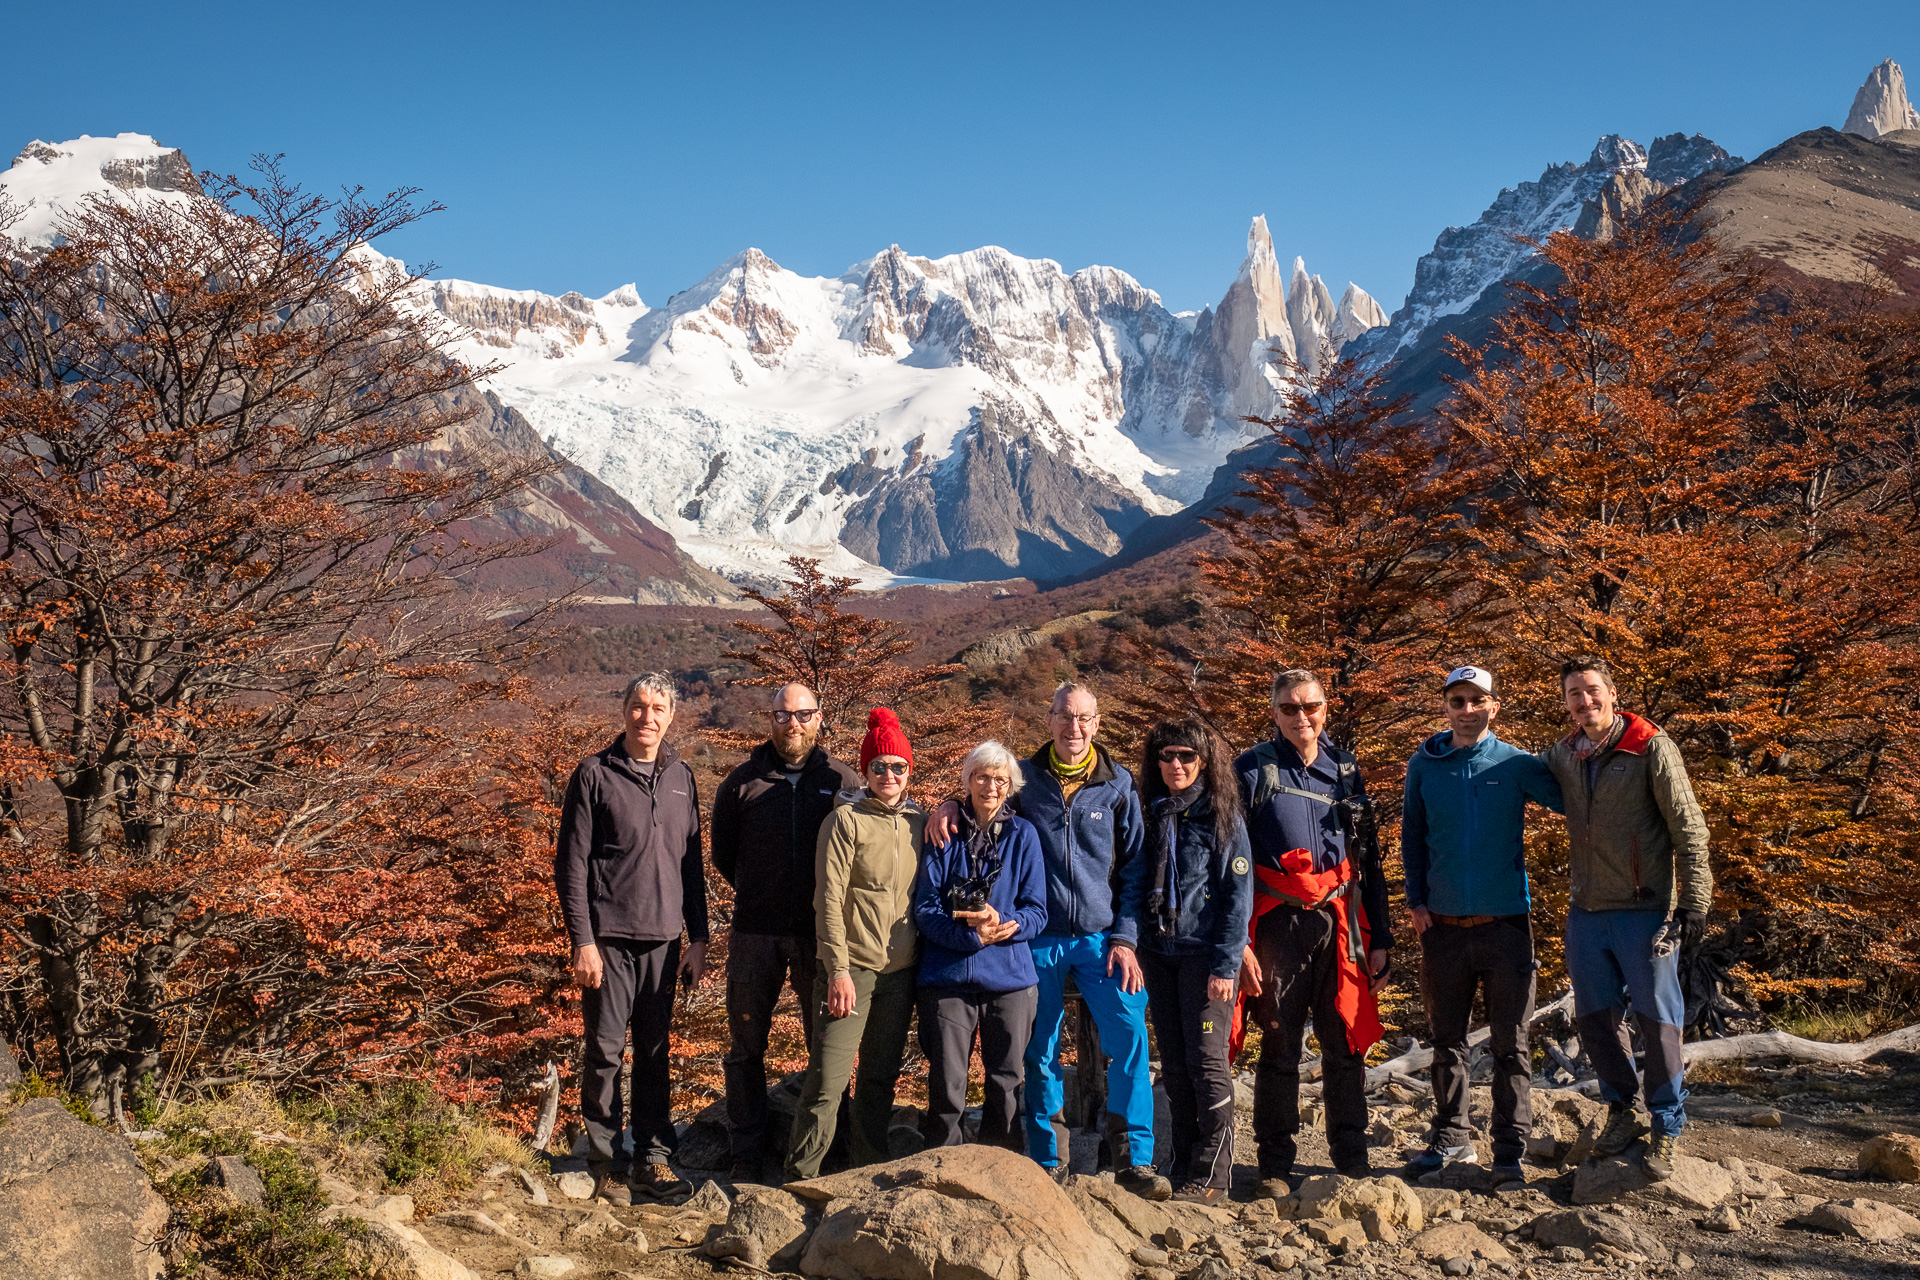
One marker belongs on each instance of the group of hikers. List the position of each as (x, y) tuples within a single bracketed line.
[(1200, 894)]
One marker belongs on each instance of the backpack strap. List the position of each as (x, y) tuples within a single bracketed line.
[(1268, 785)]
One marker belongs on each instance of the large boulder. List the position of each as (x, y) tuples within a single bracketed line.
[(1585, 1228), (1458, 1240), (390, 1250), (953, 1211), (1892, 1157), (1694, 1183), (1377, 1203), (73, 1201), (1860, 1220)]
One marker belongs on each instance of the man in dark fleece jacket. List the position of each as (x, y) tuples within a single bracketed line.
[(630, 879), (766, 825), (1462, 822)]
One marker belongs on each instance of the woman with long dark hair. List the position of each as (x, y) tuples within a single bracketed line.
[(1193, 927)]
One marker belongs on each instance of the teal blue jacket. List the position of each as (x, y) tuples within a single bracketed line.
[(1461, 823)]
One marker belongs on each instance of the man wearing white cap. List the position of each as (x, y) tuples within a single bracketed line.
[(1460, 840)]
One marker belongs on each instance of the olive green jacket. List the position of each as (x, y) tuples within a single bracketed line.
[(864, 866), (1637, 839)]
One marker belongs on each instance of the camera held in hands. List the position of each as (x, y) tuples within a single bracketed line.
[(970, 893)]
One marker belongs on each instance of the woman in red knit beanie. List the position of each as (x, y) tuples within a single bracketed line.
[(868, 855)]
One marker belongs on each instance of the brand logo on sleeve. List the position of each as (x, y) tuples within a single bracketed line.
[(1239, 866)]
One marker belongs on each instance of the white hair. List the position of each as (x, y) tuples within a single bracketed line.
[(990, 755), (653, 682)]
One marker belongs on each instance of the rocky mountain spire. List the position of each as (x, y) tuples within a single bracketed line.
[(1250, 324), (1881, 106)]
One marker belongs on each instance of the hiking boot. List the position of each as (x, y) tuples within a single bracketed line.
[(1200, 1193), (1657, 1163), (1437, 1157), (1058, 1172), (747, 1171), (1354, 1169), (1144, 1182), (1624, 1127), (1505, 1171), (1272, 1187), (659, 1183), (611, 1189)]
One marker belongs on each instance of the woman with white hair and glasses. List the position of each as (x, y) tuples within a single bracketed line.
[(980, 899)]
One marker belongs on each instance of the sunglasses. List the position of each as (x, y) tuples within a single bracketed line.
[(1459, 703), (1178, 755), (1299, 708), (804, 717), (898, 768)]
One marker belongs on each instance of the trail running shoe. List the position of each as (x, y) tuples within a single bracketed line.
[(1200, 1193), (1437, 1157)]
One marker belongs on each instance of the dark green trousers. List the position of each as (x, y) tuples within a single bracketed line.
[(877, 1031)]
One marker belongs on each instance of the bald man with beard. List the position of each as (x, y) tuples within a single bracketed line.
[(766, 822)]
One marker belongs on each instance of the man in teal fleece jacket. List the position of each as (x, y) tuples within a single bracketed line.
[(1461, 843)]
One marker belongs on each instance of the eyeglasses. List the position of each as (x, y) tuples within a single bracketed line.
[(1079, 720), (1299, 708), (805, 715), (1178, 755), (990, 782), (898, 768)]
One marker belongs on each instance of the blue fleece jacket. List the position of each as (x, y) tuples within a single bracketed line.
[(1094, 867), (1461, 824), (1215, 890), (952, 955)]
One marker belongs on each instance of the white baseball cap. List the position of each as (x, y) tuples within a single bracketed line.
[(1479, 677)]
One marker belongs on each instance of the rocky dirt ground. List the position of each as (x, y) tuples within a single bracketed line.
[(1767, 1150)]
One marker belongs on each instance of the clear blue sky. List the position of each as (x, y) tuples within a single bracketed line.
[(579, 146)]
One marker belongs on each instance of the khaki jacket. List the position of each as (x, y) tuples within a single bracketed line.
[(1636, 836), (864, 867)]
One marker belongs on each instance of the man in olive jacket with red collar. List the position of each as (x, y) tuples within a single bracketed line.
[(630, 878), (1639, 886)]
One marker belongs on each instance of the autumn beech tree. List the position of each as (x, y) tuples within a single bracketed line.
[(1350, 554), (852, 663), (230, 614), (1720, 498)]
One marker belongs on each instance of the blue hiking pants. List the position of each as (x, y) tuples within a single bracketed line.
[(1611, 963), (1122, 1021)]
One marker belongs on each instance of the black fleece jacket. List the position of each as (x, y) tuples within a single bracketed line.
[(628, 863), (766, 826)]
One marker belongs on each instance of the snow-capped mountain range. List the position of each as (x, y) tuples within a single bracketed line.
[(977, 415), (973, 416), (1467, 261)]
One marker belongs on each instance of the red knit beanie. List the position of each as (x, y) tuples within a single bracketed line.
[(884, 737)]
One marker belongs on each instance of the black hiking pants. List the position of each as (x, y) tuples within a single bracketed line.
[(1496, 959), (635, 991), (1299, 960)]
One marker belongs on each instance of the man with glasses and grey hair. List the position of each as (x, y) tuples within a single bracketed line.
[(1319, 940), (766, 825), (630, 879)]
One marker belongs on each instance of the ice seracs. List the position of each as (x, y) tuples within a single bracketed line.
[(1881, 106)]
